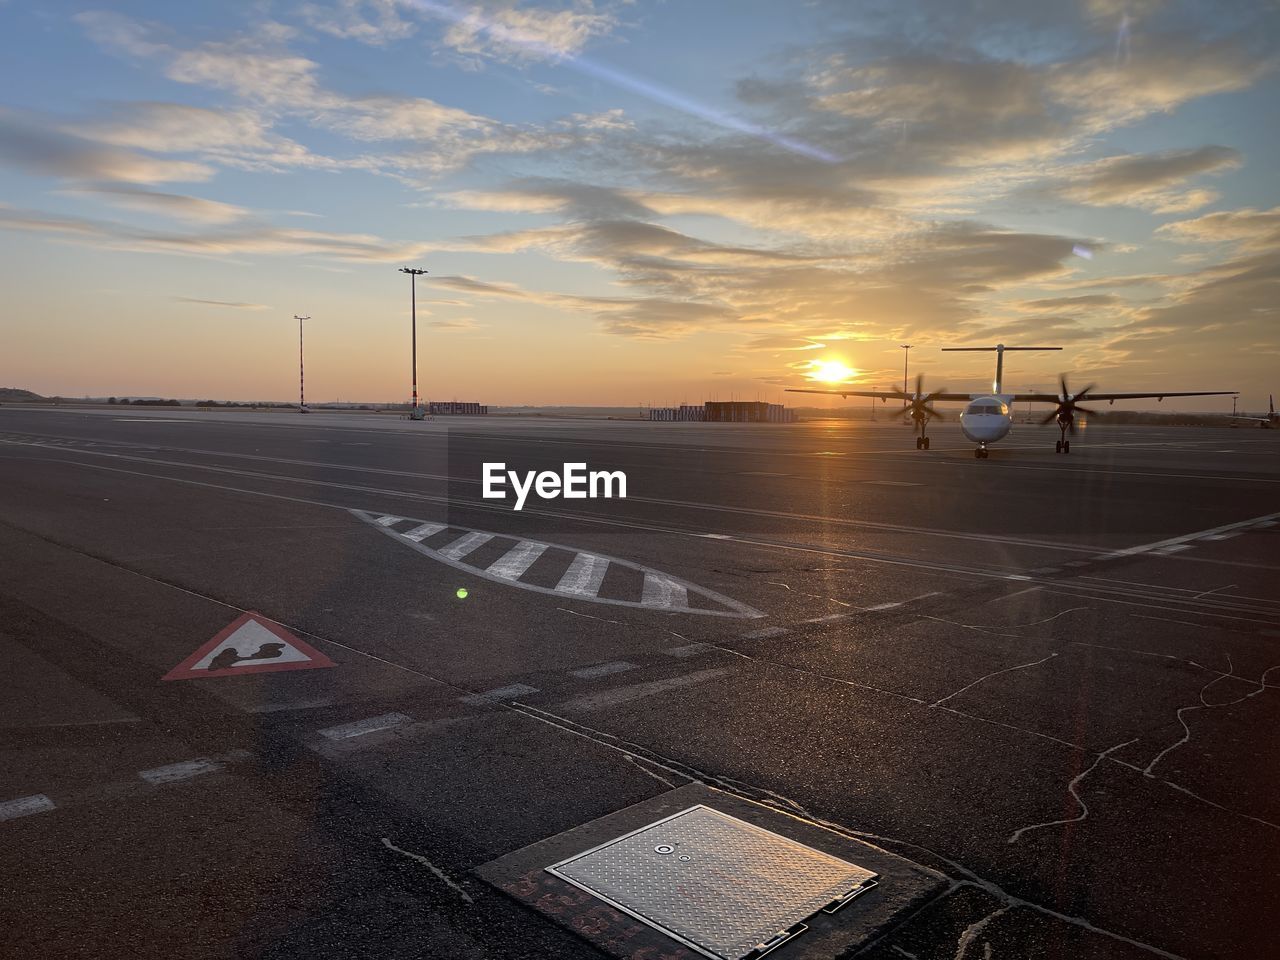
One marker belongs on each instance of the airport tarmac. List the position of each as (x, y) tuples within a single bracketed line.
[(1053, 680)]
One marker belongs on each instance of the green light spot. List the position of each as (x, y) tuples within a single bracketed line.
[(462, 593)]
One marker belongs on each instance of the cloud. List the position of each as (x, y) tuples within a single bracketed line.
[(177, 206), (43, 150), (375, 22), (247, 239), (513, 32), (230, 304), (1084, 302), (1150, 182), (1162, 73), (456, 324), (276, 83), (1250, 228)]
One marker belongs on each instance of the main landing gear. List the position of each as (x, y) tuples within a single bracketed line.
[(981, 453), (1064, 424)]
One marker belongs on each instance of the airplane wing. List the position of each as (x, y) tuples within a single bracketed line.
[(1091, 397), (884, 394)]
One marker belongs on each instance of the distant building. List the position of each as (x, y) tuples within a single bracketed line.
[(683, 412), (444, 408), (726, 411)]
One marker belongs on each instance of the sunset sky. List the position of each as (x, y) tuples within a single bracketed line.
[(624, 202)]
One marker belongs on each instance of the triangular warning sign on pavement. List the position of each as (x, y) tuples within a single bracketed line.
[(250, 644)]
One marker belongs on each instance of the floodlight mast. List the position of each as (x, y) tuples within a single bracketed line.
[(302, 380), (414, 273), (906, 352)]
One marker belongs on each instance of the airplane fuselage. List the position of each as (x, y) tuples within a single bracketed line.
[(986, 419)]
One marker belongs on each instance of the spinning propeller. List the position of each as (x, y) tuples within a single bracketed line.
[(1067, 406), (921, 402)]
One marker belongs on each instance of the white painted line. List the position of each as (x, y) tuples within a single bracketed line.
[(715, 536), (621, 695), (512, 564), (25, 806), (884, 606), (180, 771), (1238, 527), (465, 545), (584, 575), (1265, 523), (893, 483), (1172, 548), (498, 693), (602, 669), (687, 651), (358, 728), (827, 619), (424, 530), (1017, 576), (388, 521), (660, 591), (764, 634), (1223, 536)]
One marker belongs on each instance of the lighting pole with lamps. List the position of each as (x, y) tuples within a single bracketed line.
[(906, 348), (414, 274), (302, 380)]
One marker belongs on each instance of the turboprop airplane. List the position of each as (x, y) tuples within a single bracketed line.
[(988, 416), (1272, 418)]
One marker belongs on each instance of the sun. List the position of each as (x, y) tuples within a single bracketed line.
[(830, 371)]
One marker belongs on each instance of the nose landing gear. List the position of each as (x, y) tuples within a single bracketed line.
[(981, 453), (1062, 446), (922, 443)]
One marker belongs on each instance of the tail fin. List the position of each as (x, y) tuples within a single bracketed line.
[(999, 350)]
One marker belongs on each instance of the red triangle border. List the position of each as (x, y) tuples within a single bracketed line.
[(183, 670)]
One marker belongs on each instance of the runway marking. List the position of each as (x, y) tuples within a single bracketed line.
[(719, 508), (602, 669), (620, 695), (174, 772), (688, 650), (765, 634), (358, 728), (893, 483), (464, 545), (968, 571), (1239, 526), (26, 806), (584, 576), (582, 579), (513, 564), (660, 591), (498, 693), (423, 531), (715, 536)]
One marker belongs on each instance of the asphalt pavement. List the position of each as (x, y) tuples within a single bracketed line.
[(1050, 681)]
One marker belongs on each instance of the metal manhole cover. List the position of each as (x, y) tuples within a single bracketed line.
[(720, 885)]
